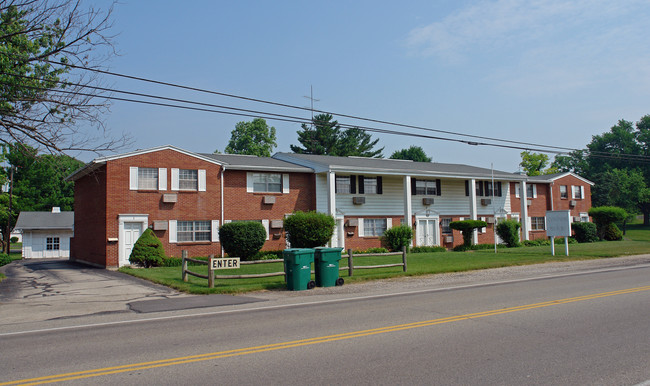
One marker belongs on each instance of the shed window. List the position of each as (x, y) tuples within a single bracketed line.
[(52, 243)]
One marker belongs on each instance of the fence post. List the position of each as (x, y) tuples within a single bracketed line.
[(350, 263), (404, 257), (210, 272), (184, 265)]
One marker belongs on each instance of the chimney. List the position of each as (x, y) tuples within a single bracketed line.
[(56, 209)]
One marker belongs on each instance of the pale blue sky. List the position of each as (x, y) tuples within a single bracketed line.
[(550, 72)]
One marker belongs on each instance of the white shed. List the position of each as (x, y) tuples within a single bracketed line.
[(46, 234)]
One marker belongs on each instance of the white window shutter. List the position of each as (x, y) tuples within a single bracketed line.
[(582, 192), (249, 182), (534, 190), (162, 178), (285, 183), (133, 178), (360, 226), (172, 231), (461, 219), (573, 192), (389, 223), (266, 227), (201, 180), (517, 189), (174, 179), (227, 221), (215, 231), (528, 224), (484, 229)]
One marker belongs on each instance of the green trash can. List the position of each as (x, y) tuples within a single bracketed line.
[(327, 266), (297, 267)]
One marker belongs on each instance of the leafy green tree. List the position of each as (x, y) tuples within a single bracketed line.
[(42, 97), (398, 237), (252, 138), (605, 217), (148, 251), (534, 164), (414, 153), (466, 227), (242, 238), (508, 231), (325, 137)]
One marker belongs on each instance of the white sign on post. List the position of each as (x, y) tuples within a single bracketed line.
[(225, 263), (558, 224)]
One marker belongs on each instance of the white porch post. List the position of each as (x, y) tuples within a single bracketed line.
[(523, 195), (331, 194), (408, 208), (472, 208)]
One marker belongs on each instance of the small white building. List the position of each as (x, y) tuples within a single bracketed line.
[(46, 234)]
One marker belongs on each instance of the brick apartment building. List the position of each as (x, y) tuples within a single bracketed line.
[(184, 197)]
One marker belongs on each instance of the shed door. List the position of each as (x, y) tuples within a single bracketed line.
[(132, 231)]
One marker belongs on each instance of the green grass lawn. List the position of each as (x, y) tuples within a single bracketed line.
[(638, 242), (11, 257)]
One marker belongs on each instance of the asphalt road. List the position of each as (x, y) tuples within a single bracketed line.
[(565, 329)]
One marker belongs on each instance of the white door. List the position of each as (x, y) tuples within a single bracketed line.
[(426, 232), (132, 231), (338, 239), (52, 248)]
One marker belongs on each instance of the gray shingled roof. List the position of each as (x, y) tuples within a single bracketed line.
[(45, 220), (554, 176), (321, 163), (250, 162)]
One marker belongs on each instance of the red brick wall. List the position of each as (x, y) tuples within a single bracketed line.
[(89, 242), (242, 205), (582, 205)]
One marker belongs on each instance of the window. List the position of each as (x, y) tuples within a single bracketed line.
[(193, 231), (374, 226), (370, 185), (444, 223), (343, 184), (426, 187), (52, 243), (267, 182), (577, 192), (188, 179), (564, 194), (484, 189), (530, 191), (147, 178), (537, 223)]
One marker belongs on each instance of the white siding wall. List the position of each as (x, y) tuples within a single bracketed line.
[(34, 244), (391, 203)]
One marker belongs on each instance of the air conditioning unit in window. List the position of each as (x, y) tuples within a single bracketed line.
[(427, 201), (160, 225), (358, 200), (169, 198), (572, 203), (486, 201), (489, 220), (353, 222), (576, 219), (269, 200), (276, 223), (449, 239)]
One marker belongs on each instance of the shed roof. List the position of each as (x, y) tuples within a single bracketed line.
[(45, 220)]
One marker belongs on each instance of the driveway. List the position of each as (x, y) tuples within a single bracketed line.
[(38, 290)]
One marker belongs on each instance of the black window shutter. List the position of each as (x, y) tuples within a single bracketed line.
[(466, 187), (379, 187), (487, 187), (353, 184), (479, 188), (413, 187), (361, 187), (438, 191), (498, 188)]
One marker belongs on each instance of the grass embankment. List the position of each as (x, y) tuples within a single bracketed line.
[(8, 259), (638, 242)]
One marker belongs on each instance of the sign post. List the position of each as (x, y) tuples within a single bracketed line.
[(558, 224)]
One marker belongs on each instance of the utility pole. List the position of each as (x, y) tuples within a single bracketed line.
[(11, 191)]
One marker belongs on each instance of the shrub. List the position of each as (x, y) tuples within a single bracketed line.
[(370, 251), (508, 231), (13, 240), (427, 249), (5, 259), (585, 232), (148, 251), (309, 229), (242, 239), (466, 227), (268, 255), (605, 215), (612, 233), (398, 237)]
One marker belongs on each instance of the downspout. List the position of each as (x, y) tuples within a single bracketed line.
[(550, 189), (223, 167)]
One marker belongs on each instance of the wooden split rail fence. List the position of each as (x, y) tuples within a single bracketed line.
[(350, 268)]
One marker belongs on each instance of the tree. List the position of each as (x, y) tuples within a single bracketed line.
[(252, 138), (605, 217), (309, 229), (466, 227), (534, 163), (43, 98), (148, 251), (242, 238), (414, 153), (325, 137)]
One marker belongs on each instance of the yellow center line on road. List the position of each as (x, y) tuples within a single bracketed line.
[(309, 341)]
